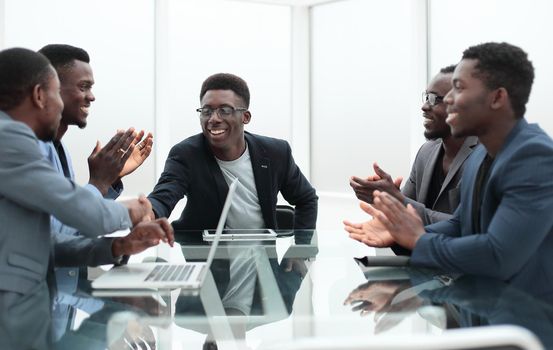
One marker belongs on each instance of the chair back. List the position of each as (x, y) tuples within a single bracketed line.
[(285, 217)]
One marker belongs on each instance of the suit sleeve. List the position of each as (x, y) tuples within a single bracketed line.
[(29, 180), (172, 185), (297, 191), (409, 190), (448, 227), (427, 215), (82, 251), (519, 225), (115, 190)]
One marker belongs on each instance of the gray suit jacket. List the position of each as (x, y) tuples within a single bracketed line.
[(417, 186), (72, 250), (30, 190)]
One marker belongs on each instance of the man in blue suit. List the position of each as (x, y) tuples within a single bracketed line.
[(107, 166), (503, 226)]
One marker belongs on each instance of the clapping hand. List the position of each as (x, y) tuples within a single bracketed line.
[(373, 233), (402, 222), (381, 181), (105, 163), (141, 151), (377, 297)]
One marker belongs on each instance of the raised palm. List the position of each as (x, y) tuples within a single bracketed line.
[(372, 232), (140, 153)]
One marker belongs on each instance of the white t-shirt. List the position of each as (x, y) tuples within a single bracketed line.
[(245, 211)]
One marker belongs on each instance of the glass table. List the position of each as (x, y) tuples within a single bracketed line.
[(301, 285)]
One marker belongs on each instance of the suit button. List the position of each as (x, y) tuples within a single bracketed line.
[(72, 273)]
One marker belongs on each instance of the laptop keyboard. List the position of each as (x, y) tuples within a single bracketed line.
[(170, 273)]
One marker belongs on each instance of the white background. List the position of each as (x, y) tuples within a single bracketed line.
[(350, 71)]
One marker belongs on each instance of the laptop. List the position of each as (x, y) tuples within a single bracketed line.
[(165, 275)]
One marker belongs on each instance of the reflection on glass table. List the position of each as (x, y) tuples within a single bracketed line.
[(241, 272), (262, 294)]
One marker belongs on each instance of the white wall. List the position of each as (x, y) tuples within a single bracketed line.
[(366, 76), (362, 90), (250, 40), (247, 39), (119, 37), (458, 24), (365, 63), (202, 37)]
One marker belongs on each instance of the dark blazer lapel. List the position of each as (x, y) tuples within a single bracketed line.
[(262, 171), (462, 155), (469, 178), (216, 174), (429, 171)]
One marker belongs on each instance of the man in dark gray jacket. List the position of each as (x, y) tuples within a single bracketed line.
[(433, 185)]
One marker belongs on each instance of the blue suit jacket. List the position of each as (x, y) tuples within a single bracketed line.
[(72, 249), (516, 243)]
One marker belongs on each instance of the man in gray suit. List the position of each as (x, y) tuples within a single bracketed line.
[(30, 190), (433, 185)]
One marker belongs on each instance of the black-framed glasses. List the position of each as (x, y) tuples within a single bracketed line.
[(431, 98), (223, 112)]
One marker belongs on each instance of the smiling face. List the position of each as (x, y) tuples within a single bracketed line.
[(435, 126), (469, 101), (225, 136), (76, 92)]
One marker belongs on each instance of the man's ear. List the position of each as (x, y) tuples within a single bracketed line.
[(500, 98), (246, 117), (38, 96)]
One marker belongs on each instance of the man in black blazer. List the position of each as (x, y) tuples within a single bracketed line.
[(201, 166)]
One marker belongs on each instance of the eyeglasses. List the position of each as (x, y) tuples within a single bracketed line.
[(431, 98), (223, 112)]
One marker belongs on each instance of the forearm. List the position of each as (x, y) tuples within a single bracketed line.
[(160, 207), (69, 203), (468, 255), (170, 189), (305, 216), (81, 251), (100, 186), (399, 250)]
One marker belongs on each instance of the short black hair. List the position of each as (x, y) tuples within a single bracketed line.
[(449, 69), (64, 56), (227, 81), (20, 71), (504, 65)]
